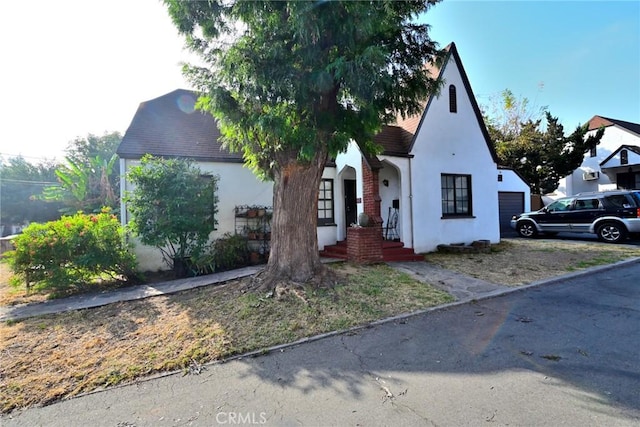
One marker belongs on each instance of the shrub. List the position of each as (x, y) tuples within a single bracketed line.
[(230, 251), (74, 250), (173, 206), (226, 253)]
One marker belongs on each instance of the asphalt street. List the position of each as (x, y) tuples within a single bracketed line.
[(566, 353)]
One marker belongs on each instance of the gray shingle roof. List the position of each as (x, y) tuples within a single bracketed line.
[(168, 126)]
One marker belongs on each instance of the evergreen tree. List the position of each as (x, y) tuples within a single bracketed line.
[(543, 157), (292, 82)]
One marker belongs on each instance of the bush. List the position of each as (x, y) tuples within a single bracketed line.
[(173, 207), (226, 253), (74, 250), (230, 251)]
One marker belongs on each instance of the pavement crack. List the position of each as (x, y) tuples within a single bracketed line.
[(368, 373)]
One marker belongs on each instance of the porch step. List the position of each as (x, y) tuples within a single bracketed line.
[(400, 254), (391, 251), (339, 250)]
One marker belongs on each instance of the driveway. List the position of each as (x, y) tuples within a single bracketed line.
[(564, 353), (580, 237)]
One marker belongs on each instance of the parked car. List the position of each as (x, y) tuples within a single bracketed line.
[(612, 215)]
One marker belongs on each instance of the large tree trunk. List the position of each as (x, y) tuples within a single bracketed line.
[(294, 253)]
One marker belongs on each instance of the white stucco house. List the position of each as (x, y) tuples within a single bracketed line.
[(436, 181), (614, 163)]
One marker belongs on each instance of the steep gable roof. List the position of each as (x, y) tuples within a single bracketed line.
[(632, 148), (169, 126), (597, 122), (412, 124)]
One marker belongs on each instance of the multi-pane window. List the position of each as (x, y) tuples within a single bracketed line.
[(453, 101), (456, 195), (593, 152), (325, 202)]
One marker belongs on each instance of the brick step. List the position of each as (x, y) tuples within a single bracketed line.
[(400, 253), (402, 257), (391, 244), (339, 250), (333, 254), (391, 251)]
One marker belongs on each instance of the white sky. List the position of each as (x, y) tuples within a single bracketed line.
[(74, 67)]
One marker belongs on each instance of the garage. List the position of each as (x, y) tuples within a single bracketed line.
[(509, 203)]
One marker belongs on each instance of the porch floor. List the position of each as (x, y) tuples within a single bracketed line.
[(391, 251)]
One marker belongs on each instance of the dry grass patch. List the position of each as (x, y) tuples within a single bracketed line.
[(51, 357), (10, 295), (515, 262), (15, 294)]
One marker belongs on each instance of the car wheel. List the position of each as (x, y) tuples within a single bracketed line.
[(527, 229), (612, 232)]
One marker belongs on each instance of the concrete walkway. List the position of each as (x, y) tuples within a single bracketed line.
[(462, 287), (78, 302)]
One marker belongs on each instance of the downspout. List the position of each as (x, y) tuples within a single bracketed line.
[(123, 191), (411, 203)]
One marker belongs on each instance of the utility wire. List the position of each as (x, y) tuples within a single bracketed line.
[(10, 155), (21, 181)]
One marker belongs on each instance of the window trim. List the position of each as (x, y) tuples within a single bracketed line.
[(456, 197), (321, 222)]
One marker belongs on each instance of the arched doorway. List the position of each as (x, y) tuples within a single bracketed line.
[(390, 195), (347, 179)]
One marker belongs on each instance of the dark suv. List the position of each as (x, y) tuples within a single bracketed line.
[(612, 215)]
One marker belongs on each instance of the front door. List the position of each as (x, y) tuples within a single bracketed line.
[(628, 181), (350, 202)]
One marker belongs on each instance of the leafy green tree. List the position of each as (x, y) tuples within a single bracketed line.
[(544, 156), (83, 151), (83, 187), (90, 178), (507, 113), (292, 82), (173, 206), (21, 182)]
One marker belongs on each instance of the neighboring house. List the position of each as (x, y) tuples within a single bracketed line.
[(614, 163), (436, 181)]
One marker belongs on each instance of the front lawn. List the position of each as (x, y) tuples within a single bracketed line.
[(51, 357)]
